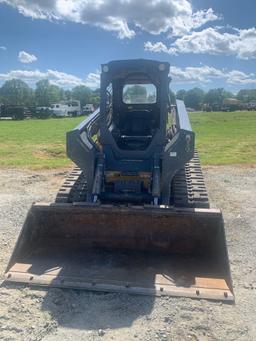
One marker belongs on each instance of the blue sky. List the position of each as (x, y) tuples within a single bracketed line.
[(209, 43)]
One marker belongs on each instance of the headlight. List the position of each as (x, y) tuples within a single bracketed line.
[(105, 68)]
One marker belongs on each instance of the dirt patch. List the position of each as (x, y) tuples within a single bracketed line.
[(56, 314), (48, 153)]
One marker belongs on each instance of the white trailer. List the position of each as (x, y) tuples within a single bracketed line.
[(88, 108), (67, 108)]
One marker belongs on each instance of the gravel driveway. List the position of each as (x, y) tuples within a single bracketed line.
[(56, 314)]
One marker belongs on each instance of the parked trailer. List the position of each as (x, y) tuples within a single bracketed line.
[(66, 109)]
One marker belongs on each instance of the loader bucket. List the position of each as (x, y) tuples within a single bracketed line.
[(135, 249)]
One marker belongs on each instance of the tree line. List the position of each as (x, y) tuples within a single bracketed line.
[(214, 99), (17, 92)]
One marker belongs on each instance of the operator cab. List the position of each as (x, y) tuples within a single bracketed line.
[(133, 111)]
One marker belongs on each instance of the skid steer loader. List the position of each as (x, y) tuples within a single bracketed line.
[(133, 216)]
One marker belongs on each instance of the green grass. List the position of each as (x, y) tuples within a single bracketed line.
[(35, 144), (221, 138), (224, 138)]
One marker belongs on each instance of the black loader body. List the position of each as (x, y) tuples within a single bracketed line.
[(134, 159), (134, 215)]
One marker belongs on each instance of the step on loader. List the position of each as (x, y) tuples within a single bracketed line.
[(134, 215)]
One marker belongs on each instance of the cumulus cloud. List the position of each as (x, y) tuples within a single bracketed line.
[(55, 77), (198, 75), (195, 74), (93, 80), (26, 58), (62, 78), (183, 25), (206, 74), (22, 74), (239, 77), (159, 47), (121, 16), (240, 43), (4, 48)]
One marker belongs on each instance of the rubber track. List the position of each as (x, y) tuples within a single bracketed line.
[(188, 188), (73, 188)]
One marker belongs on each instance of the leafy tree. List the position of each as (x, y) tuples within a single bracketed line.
[(95, 98), (214, 98), (172, 97), (82, 93), (246, 95), (46, 93), (55, 93), (96, 92), (228, 94), (194, 98), (181, 94), (67, 95), (16, 92), (62, 94)]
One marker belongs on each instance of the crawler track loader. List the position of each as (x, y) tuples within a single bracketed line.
[(133, 216)]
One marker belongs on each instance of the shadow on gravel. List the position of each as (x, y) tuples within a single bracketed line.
[(93, 310), (88, 310)]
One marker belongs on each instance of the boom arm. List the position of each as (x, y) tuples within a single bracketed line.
[(178, 151), (81, 148)]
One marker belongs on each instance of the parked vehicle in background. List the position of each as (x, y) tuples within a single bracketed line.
[(43, 112), (66, 109), (1, 108), (231, 104), (251, 105), (88, 109), (190, 109), (12, 112)]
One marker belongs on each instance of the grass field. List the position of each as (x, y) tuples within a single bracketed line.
[(221, 138), (35, 144), (225, 137)]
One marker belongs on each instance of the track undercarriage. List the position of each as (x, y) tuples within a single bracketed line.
[(188, 187)]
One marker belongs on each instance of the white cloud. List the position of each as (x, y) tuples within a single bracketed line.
[(121, 16), (195, 74), (4, 48), (184, 24), (240, 43), (159, 47), (206, 74), (63, 79), (199, 75), (26, 58), (238, 77), (25, 75), (55, 77), (93, 80)]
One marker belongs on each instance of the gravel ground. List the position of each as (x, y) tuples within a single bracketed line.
[(56, 314)]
